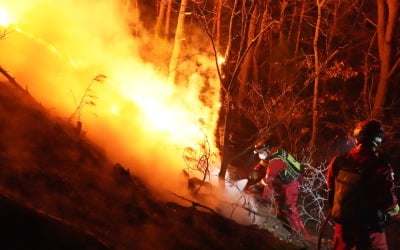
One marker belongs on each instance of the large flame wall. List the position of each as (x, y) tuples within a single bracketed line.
[(68, 52)]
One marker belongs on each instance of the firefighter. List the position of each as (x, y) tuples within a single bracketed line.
[(281, 177), (361, 191)]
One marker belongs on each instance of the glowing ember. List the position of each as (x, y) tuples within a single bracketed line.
[(221, 59)]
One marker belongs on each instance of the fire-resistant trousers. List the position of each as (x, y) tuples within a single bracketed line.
[(358, 238)]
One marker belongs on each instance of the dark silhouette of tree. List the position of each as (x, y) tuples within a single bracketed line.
[(388, 12)]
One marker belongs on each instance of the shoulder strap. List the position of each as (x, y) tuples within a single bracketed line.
[(287, 158), (280, 153)]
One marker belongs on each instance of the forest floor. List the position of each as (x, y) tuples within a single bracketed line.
[(59, 191)]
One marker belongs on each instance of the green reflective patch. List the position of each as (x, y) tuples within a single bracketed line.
[(293, 162), (394, 211)]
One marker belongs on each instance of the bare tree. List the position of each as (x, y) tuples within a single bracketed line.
[(197, 159), (388, 12), (282, 17), (246, 66), (160, 17), (365, 95), (167, 18), (217, 23), (317, 66), (230, 83), (266, 18), (175, 57), (301, 18)]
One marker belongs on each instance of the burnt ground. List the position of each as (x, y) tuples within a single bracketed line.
[(25, 228), (59, 191)]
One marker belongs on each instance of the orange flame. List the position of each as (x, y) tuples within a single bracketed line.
[(5, 19), (60, 45)]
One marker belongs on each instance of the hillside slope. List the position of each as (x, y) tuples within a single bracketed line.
[(59, 191)]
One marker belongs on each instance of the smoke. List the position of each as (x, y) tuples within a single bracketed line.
[(84, 60)]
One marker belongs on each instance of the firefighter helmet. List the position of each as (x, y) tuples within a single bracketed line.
[(261, 146), (262, 149), (369, 132)]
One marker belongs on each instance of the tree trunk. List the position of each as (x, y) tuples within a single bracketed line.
[(131, 9), (230, 82), (366, 89), (245, 67), (333, 25), (227, 95), (296, 50), (230, 35), (388, 11), (320, 4), (282, 21), (292, 22), (177, 44), (217, 24), (160, 18), (167, 18), (264, 21)]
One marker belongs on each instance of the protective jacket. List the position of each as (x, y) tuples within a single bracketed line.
[(287, 172), (281, 178), (360, 185)]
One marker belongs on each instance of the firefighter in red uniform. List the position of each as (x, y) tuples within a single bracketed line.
[(360, 187), (282, 174)]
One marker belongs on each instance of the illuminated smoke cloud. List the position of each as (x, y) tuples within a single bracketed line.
[(75, 52)]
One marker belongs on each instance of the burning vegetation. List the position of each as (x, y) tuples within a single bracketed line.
[(149, 106)]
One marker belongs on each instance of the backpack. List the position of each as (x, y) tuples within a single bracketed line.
[(352, 201), (293, 168)]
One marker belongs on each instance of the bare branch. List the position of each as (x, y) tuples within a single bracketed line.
[(251, 44), (208, 32), (83, 101), (394, 67), (11, 79), (194, 203)]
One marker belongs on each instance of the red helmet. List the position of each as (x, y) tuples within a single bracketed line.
[(261, 146)]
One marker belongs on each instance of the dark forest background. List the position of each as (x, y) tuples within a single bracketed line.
[(302, 72)]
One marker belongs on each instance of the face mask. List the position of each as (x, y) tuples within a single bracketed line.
[(263, 155)]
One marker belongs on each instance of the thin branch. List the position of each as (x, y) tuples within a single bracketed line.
[(194, 203), (208, 32), (252, 42), (11, 79), (395, 66)]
